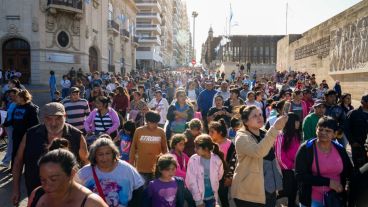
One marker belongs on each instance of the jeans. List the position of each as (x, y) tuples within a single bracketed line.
[(209, 203), (8, 156), (313, 204), (64, 92)]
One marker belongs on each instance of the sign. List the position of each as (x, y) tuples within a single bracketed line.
[(60, 58), (193, 62)]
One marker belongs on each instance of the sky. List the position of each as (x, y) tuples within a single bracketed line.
[(260, 17)]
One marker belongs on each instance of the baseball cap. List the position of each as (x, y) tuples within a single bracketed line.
[(365, 98), (73, 89), (53, 109), (318, 103)]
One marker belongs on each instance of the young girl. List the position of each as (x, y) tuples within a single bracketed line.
[(197, 114), (286, 146), (177, 144), (125, 138), (218, 133), (194, 129), (165, 190), (205, 170), (235, 125)]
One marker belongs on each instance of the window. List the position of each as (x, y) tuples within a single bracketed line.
[(63, 39)]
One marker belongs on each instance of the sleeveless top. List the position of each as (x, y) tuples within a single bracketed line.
[(40, 192), (36, 146), (102, 123)]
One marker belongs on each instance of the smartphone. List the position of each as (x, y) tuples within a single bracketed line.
[(286, 108)]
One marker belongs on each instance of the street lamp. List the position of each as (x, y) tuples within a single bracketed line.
[(194, 15)]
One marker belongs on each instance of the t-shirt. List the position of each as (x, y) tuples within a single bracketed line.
[(330, 166), (224, 147), (125, 143), (117, 185), (102, 123), (163, 194), (147, 145), (192, 95), (76, 112), (297, 109), (208, 192)]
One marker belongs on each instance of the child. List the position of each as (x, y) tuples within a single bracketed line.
[(205, 170), (165, 190), (235, 125), (125, 135), (177, 150), (57, 97), (197, 114), (218, 133)]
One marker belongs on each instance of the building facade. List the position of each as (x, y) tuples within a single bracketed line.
[(336, 49), (259, 50), (37, 36)]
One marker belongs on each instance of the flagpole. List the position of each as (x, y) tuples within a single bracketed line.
[(287, 18)]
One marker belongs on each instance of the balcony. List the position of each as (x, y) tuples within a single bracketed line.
[(111, 68), (71, 6), (124, 35), (136, 41), (149, 5), (155, 17), (113, 27), (149, 28), (150, 40)]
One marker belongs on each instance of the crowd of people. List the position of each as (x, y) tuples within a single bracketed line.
[(194, 138)]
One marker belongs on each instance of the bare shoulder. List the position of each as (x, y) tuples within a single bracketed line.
[(95, 201)]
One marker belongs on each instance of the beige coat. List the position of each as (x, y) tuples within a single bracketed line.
[(248, 181)]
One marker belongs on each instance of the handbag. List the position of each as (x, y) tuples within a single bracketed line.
[(98, 185), (330, 198)]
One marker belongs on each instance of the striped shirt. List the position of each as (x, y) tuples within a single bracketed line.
[(76, 112), (102, 124)]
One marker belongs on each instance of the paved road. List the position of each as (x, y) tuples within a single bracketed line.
[(40, 97)]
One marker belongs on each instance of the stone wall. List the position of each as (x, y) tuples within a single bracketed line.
[(336, 49)]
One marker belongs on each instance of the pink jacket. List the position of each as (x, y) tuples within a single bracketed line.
[(181, 170), (195, 176), (286, 159), (89, 124)]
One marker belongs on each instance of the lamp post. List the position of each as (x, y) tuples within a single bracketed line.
[(194, 15)]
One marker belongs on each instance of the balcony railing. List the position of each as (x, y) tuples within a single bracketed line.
[(69, 5), (124, 34), (145, 1), (112, 25)]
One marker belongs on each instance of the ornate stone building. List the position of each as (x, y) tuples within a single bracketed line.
[(259, 50), (336, 49), (37, 36)]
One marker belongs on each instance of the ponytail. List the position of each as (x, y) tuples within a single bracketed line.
[(216, 151)]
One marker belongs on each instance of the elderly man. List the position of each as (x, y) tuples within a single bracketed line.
[(223, 91), (35, 143), (205, 100)]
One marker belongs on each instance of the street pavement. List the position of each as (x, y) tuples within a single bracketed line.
[(40, 97)]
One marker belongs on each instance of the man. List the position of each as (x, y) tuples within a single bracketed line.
[(160, 105), (244, 92), (248, 67), (52, 84), (337, 88), (34, 145), (311, 120), (76, 108), (223, 91), (148, 142), (308, 99), (96, 79), (248, 81), (356, 131), (205, 100), (335, 111)]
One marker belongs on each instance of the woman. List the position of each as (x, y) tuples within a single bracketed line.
[(24, 116), (298, 106), (82, 89), (103, 119), (192, 91), (219, 111), (179, 114), (137, 108), (120, 101), (287, 144), (251, 145), (322, 165), (58, 188), (96, 92), (345, 102), (104, 175), (234, 101)]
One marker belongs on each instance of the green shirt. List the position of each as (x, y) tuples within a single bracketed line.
[(309, 126)]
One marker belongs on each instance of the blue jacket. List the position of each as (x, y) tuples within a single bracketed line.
[(205, 100), (52, 82)]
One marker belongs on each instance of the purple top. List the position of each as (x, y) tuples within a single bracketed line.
[(163, 194)]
